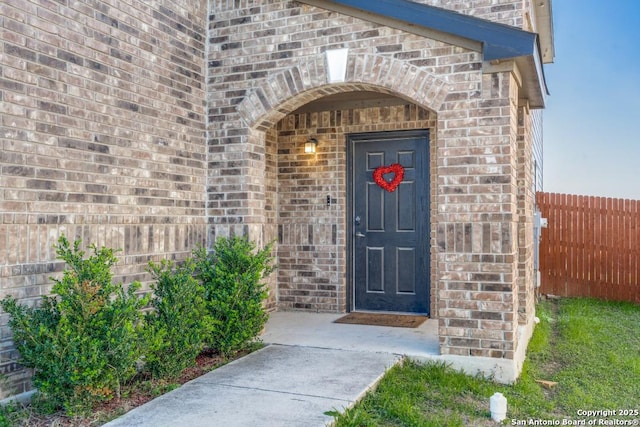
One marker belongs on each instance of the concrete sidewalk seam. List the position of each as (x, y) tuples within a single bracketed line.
[(275, 391), (348, 350)]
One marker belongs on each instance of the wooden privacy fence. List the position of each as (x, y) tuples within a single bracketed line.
[(590, 247)]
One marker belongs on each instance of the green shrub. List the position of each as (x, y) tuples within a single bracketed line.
[(232, 278), (177, 326), (12, 414), (83, 342)]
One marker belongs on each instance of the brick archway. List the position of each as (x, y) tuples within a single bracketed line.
[(287, 90), (261, 112)]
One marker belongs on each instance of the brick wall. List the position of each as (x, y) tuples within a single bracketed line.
[(104, 105), (526, 197), (312, 234), (508, 12), (102, 138), (477, 224), (266, 60), (253, 47)]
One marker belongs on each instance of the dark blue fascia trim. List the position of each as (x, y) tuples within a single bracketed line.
[(537, 58), (499, 41)]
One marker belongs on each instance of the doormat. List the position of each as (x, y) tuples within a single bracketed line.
[(383, 319)]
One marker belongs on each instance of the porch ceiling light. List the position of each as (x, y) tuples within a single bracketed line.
[(310, 145)]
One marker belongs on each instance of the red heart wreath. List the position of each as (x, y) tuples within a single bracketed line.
[(396, 169)]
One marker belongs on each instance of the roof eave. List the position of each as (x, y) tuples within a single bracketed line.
[(500, 41), (495, 41), (534, 83)]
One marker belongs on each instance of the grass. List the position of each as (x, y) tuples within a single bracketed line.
[(590, 348)]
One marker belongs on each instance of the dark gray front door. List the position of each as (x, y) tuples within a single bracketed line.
[(390, 227)]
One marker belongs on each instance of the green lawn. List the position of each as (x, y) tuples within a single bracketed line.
[(590, 348)]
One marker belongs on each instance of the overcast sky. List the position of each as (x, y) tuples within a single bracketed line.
[(592, 119)]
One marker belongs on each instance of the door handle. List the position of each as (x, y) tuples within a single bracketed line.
[(359, 234)]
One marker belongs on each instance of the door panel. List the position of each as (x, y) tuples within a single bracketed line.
[(390, 229), (375, 270), (406, 196), (405, 266)]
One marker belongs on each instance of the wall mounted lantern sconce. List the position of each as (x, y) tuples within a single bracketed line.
[(310, 145)]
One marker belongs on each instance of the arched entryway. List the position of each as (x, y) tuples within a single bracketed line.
[(312, 194), (308, 197)]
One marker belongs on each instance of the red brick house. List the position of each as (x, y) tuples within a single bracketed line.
[(157, 127)]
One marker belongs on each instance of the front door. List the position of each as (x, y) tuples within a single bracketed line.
[(389, 209)]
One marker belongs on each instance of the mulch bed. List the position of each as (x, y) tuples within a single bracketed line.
[(134, 395)]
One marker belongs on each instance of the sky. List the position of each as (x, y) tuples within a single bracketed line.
[(592, 121)]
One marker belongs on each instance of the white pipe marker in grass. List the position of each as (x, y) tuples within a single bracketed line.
[(498, 407)]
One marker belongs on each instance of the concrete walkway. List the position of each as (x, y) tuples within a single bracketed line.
[(310, 366)]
